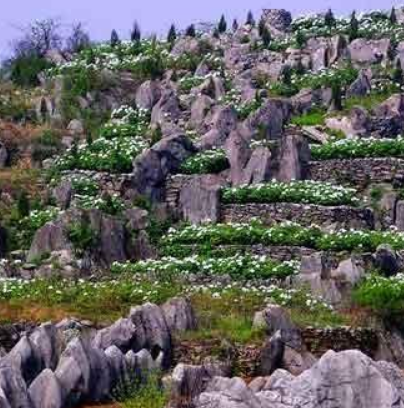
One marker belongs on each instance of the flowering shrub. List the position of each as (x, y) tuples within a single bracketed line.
[(370, 25), (84, 186), (383, 295), (287, 233), (120, 141), (359, 148), (243, 108), (30, 224), (305, 192), (327, 77), (111, 204), (209, 161), (238, 267), (284, 234), (364, 241), (114, 155)]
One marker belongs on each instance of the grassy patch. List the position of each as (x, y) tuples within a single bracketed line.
[(316, 118)]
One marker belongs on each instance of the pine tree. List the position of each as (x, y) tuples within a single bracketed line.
[(235, 25), (398, 75), (353, 27), (222, 26), (190, 31), (250, 19), (329, 19), (114, 38), (393, 16), (136, 34), (266, 37), (172, 34), (216, 33), (300, 39), (261, 27)]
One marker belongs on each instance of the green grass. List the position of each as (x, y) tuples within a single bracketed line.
[(316, 118), (150, 394)]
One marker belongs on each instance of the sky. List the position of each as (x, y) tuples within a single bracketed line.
[(154, 16)]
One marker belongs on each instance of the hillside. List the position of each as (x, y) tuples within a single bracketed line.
[(215, 219)]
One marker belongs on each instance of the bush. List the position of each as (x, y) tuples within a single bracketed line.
[(305, 192), (81, 236), (207, 162), (358, 148), (26, 68)]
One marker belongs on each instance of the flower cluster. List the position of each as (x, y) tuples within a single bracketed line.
[(244, 267), (304, 192), (359, 148), (372, 25), (206, 162), (243, 107), (284, 234), (112, 204), (120, 141)]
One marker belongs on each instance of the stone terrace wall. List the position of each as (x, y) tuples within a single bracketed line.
[(174, 185), (359, 171), (319, 341), (346, 217)]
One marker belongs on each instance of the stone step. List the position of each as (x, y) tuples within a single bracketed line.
[(305, 214), (359, 172)]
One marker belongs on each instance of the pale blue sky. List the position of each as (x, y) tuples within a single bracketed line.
[(101, 16)]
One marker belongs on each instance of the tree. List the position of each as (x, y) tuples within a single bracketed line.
[(78, 40), (39, 38), (398, 75), (353, 27), (135, 34), (261, 27), (114, 38), (329, 19), (250, 19), (266, 37), (190, 31), (393, 16), (222, 26), (235, 25), (300, 39), (172, 34)]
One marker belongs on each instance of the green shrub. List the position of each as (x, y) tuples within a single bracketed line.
[(81, 236), (25, 69), (206, 162), (305, 192), (358, 148)]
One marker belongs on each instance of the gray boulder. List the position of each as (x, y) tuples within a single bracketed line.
[(179, 315), (45, 391), (259, 166), (151, 168), (276, 319), (188, 382), (388, 261), (277, 20), (153, 332), (272, 116), (121, 334), (199, 110), (13, 387), (117, 366), (363, 51), (360, 87), (148, 94), (63, 194), (200, 199), (51, 237), (167, 109), (293, 159), (238, 154), (272, 354), (400, 215)]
